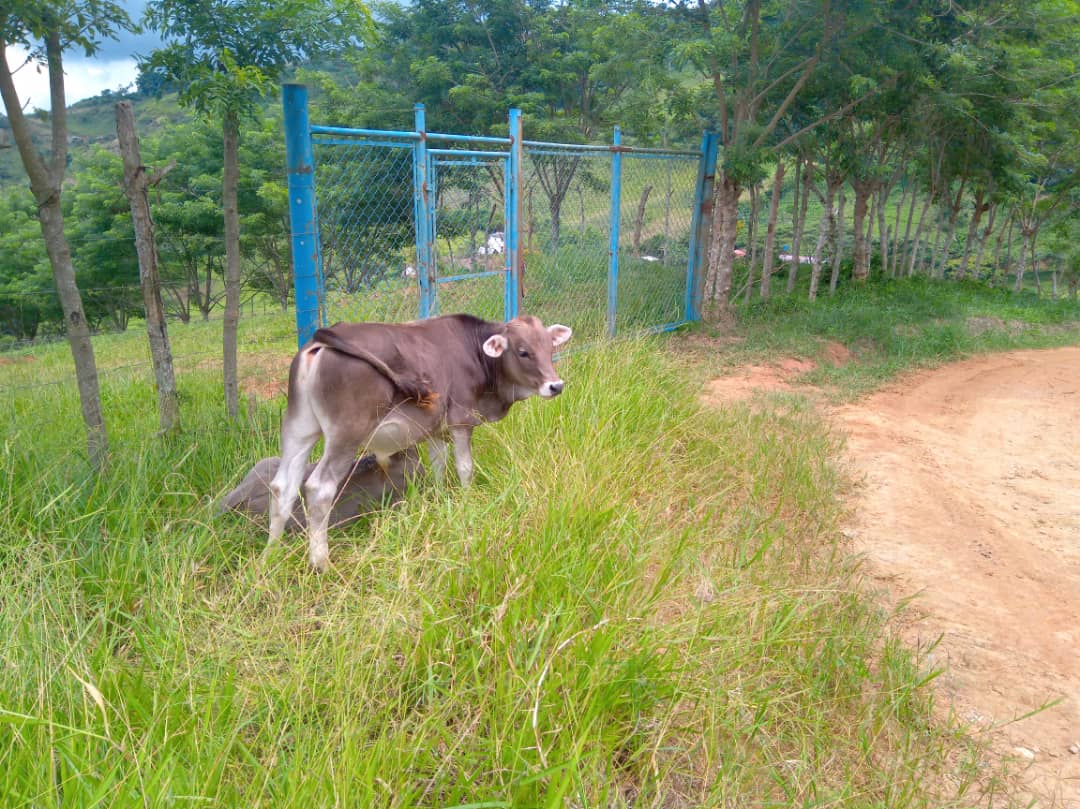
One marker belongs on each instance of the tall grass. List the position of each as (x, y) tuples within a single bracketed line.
[(639, 602)]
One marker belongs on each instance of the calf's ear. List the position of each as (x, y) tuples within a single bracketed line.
[(559, 334), (495, 345)]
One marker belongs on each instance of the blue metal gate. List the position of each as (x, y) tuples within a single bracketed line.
[(393, 225)]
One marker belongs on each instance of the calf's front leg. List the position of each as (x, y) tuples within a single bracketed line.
[(463, 453)]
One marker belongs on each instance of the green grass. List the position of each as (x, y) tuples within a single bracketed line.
[(639, 602)]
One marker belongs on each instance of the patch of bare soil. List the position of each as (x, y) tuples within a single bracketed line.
[(969, 501), (781, 375)]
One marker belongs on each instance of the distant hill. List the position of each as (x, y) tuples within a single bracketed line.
[(90, 121)]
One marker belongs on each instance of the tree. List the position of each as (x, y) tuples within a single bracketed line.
[(227, 57), (136, 183), (46, 28)]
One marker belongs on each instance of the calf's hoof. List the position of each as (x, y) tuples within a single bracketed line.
[(320, 559)]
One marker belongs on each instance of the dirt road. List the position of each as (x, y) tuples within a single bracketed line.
[(970, 498)]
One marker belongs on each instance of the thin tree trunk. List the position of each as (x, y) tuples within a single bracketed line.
[(800, 223), (1020, 265), (229, 183), (935, 253), (883, 233), (770, 233), (46, 183), (1035, 262), (973, 228), (908, 247), (916, 245), (868, 245), (863, 193), (824, 229), (637, 222), (1003, 268), (838, 242), (985, 237), (950, 231), (894, 262), (751, 240), (135, 185)]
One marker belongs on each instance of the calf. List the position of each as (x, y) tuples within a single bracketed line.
[(381, 388)]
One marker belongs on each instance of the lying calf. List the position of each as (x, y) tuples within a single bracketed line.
[(365, 488)]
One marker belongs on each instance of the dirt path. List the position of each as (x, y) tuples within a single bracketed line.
[(969, 499)]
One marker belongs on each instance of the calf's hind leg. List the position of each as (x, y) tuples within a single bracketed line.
[(320, 491), (299, 433)]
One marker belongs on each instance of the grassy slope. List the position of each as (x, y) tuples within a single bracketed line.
[(893, 326), (637, 598)]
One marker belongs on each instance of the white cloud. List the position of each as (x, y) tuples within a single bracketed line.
[(82, 78)]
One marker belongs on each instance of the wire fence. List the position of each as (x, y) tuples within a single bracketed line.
[(43, 364), (395, 225)]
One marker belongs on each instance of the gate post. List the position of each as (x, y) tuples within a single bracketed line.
[(613, 245), (514, 264), (425, 229), (303, 212), (699, 223)]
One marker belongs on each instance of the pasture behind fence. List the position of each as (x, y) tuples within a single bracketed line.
[(393, 225)]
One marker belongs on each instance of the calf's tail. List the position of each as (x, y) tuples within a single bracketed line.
[(409, 386)]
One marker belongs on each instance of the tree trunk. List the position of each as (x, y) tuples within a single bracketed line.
[(838, 242), (883, 233), (1019, 284), (46, 182), (894, 258), (800, 221), (950, 233), (638, 221), (721, 246), (825, 227), (985, 237), (1035, 260), (861, 267), (770, 233), (229, 183), (135, 185), (973, 227), (916, 245), (751, 241), (908, 247)]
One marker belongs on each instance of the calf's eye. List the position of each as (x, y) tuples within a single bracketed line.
[(523, 352)]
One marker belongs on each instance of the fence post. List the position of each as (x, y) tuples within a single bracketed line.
[(514, 264), (303, 211), (425, 259), (613, 246), (699, 223)]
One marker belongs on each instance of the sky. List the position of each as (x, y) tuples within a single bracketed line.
[(112, 67)]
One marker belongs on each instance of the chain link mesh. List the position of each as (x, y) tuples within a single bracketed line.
[(470, 237), (370, 267), (655, 213), (367, 231)]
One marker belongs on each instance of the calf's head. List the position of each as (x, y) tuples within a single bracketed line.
[(524, 350)]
